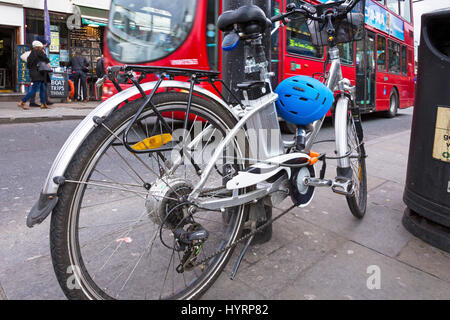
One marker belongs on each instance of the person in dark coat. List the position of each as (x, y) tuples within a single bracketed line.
[(100, 68), (80, 66), (37, 77), (46, 43)]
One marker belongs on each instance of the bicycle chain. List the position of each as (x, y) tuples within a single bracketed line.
[(235, 243)]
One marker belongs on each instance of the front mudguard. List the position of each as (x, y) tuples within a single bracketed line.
[(48, 197)]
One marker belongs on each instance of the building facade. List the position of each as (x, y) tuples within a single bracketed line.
[(75, 25)]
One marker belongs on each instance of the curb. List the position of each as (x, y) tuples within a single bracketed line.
[(40, 119)]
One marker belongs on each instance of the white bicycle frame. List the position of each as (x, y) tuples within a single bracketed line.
[(334, 81)]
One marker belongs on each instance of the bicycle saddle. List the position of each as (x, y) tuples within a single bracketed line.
[(243, 16)]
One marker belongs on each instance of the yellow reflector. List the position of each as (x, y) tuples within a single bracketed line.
[(153, 142)]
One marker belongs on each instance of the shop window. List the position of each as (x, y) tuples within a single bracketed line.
[(34, 20), (404, 60), (405, 10), (393, 6), (394, 57), (346, 52), (381, 53)]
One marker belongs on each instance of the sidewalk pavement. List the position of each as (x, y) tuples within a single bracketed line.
[(317, 252), (11, 113), (323, 252)]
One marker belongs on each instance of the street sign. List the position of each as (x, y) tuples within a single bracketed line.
[(23, 76)]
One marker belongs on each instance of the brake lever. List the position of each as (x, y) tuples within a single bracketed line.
[(308, 8)]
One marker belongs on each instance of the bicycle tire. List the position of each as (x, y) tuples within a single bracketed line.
[(357, 202)]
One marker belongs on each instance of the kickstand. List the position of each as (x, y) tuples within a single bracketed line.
[(241, 255)]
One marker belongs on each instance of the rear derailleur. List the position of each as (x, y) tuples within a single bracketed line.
[(189, 241)]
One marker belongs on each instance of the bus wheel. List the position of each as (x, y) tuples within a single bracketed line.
[(393, 104)]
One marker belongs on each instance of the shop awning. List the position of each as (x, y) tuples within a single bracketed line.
[(94, 16)]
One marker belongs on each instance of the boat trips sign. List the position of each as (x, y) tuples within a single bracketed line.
[(378, 17)]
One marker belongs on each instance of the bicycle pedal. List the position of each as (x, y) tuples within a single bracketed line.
[(342, 186)]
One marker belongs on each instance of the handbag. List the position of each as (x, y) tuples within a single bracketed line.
[(43, 67)]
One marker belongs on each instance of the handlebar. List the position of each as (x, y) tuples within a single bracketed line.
[(309, 11)]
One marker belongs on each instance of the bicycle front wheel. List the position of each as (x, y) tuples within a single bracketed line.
[(113, 229), (357, 202)]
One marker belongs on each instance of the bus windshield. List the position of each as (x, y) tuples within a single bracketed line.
[(146, 30)]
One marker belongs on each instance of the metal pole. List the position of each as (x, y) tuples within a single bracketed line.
[(233, 61)]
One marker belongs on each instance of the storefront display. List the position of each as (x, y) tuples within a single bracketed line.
[(87, 39)]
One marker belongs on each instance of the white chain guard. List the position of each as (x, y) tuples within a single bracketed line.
[(262, 171)]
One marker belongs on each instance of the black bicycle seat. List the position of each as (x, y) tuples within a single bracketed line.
[(243, 16)]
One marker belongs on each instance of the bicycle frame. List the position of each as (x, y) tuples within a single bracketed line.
[(334, 81)]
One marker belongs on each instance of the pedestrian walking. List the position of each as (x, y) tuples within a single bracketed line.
[(39, 66), (80, 66), (46, 43)]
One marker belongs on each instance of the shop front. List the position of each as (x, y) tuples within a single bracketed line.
[(85, 38), (11, 35), (88, 40)]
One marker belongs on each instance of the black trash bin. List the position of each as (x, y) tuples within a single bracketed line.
[(427, 190)]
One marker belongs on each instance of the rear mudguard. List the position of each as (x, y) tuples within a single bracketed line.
[(48, 197)]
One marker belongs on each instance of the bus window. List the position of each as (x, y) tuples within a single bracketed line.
[(404, 60), (212, 34), (146, 30), (275, 48), (381, 53), (299, 39), (393, 6), (405, 10), (394, 57), (346, 52)]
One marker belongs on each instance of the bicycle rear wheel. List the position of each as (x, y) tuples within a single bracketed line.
[(112, 231)]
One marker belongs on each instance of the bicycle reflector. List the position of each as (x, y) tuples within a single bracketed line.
[(153, 142), (302, 99)]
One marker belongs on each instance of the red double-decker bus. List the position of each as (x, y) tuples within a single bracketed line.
[(183, 33)]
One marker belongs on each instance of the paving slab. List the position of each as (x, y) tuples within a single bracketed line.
[(34, 280), (344, 275), (226, 289), (380, 229), (422, 256), (268, 272)]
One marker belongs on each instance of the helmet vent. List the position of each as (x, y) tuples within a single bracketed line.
[(294, 112), (325, 99), (298, 89), (303, 99), (287, 95), (310, 85), (318, 94)]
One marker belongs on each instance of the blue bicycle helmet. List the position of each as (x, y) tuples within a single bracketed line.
[(302, 99)]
